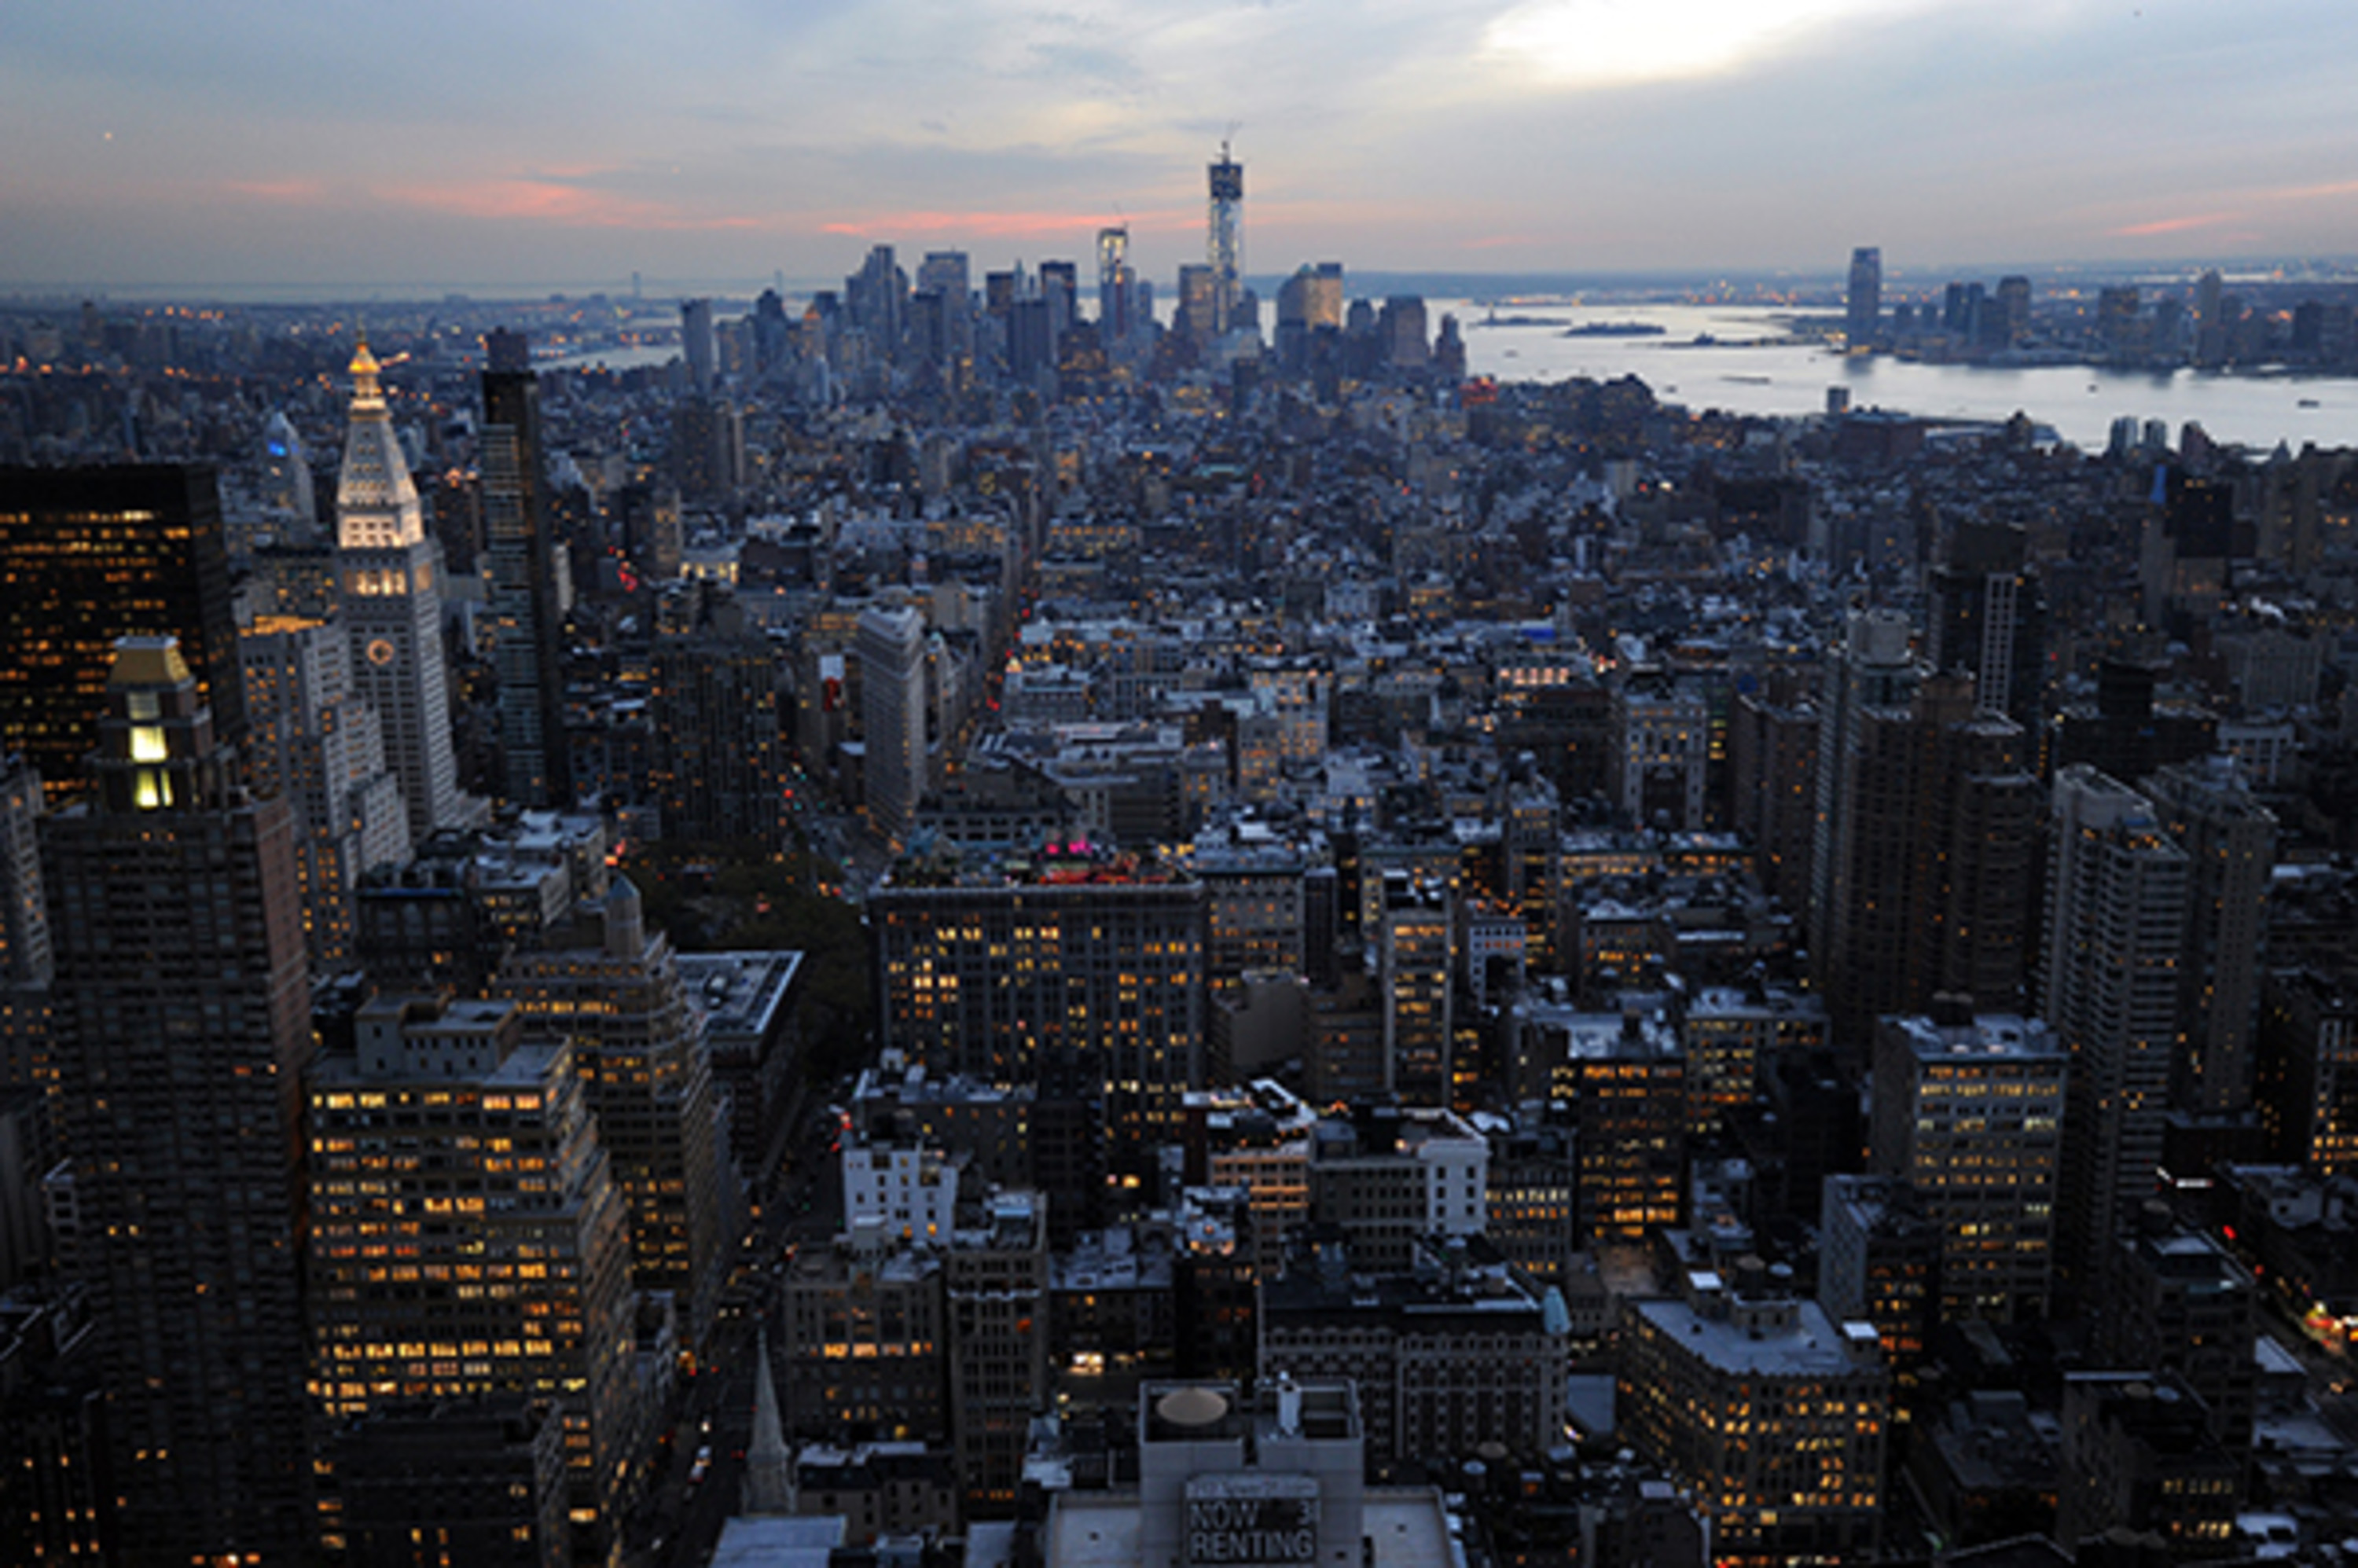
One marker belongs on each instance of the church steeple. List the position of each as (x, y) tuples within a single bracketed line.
[(768, 1462), (376, 504)]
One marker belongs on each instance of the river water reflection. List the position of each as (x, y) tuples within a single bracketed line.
[(1751, 367)]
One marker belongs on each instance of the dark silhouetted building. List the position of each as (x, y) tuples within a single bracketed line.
[(528, 650), (183, 1026), (89, 555)]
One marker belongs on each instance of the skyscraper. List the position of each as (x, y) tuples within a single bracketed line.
[(529, 649), (697, 345), (393, 609), (89, 555), (321, 747), (1115, 282), (719, 766), (1864, 313), (1985, 614), (638, 1043), (466, 1234), (2116, 922), (182, 1028), (2230, 840), (890, 645), (1415, 949), (1088, 978), (23, 912), (1224, 241), (1968, 1111)]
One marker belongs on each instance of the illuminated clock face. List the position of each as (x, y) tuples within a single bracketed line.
[(380, 652)]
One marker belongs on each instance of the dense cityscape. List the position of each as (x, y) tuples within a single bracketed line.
[(1038, 922)]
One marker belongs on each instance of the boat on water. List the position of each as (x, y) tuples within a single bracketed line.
[(1615, 329), (2306, 403)]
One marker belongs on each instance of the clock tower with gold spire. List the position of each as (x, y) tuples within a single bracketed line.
[(390, 575)]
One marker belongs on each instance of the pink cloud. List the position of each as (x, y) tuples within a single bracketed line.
[(2175, 225), (553, 202)]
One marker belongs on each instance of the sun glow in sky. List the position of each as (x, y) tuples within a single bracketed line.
[(516, 143)]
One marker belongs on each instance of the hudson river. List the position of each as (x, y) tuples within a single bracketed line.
[(1748, 369)]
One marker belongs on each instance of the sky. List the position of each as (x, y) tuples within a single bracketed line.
[(489, 144)]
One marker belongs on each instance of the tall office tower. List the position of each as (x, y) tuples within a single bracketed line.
[(890, 645), (1933, 859), (321, 747), (2229, 841), (2013, 307), (1407, 344), (1768, 1412), (697, 344), (946, 274), (708, 448), (92, 555), (1870, 686), (876, 299), (529, 628), (182, 1027), (2117, 320), (1416, 951), (507, 350), (1628, 1094), (23, 912), (1031, 343), (1986, 615), (1115, 281), (1088, 975), (2116, 925), (995, 1279), (466, 1235), (720, 765), (1863, 314), (1224, 238), (1198, 304), (1984, 812), (2210, 325), (638, 1041), (1060, 285), (393, 609), (1772, 759), (1968, 1113), (25, 1059)]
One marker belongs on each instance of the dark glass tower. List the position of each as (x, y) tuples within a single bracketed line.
[(529, 653), (88, 554), (182, 1028)]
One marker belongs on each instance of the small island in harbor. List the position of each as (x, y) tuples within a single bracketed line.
[(1615, 329)]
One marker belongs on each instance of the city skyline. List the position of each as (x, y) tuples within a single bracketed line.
[(273, 145)]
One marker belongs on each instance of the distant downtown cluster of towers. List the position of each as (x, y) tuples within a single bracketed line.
[(1027, 328)]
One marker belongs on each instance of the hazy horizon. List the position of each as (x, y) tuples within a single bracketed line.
[(522, 148)]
